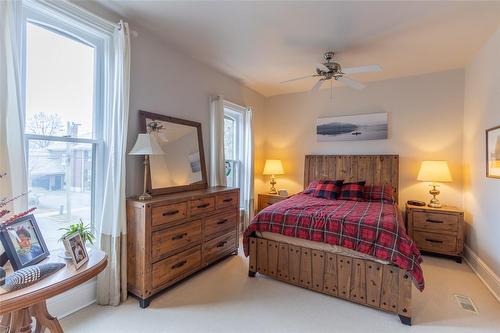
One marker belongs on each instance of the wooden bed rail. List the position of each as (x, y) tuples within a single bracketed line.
[(366, 282)]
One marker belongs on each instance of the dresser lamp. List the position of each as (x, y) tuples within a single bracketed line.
[(146, 145), (273, 168), (435, 172)]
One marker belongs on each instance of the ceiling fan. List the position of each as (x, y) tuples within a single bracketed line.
[(332, 70)]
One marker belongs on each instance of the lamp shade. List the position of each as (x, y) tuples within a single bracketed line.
[(273, 167), (146, 144), (434, 171)]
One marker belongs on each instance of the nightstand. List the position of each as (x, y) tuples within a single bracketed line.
[(267, 199), (437, 230)]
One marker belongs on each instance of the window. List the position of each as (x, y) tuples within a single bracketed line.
[(233, 143), (231, 150), (63, 107)]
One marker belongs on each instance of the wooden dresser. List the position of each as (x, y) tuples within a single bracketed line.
[(437, 230), (172, 236)]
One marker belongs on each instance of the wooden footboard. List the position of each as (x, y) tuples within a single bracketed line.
[(363, 281)]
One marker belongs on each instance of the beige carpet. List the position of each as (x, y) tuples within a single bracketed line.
[(224, 299)]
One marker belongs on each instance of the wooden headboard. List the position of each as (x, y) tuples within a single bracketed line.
[(375, 169)]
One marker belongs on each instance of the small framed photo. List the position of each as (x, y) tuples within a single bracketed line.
[(493, 152), (23, 242), (74, 245)]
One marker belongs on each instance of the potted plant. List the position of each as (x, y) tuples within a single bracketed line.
[(84, 230)]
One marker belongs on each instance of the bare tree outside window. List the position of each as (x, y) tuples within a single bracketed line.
[(44, 124)]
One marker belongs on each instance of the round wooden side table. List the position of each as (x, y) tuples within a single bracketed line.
[(18, 307)]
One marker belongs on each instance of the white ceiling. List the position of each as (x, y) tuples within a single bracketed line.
[(263, 43)]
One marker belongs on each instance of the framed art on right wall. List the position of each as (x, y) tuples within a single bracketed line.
[(493, 152)]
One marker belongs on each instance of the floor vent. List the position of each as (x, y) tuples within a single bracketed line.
[(466, 303)]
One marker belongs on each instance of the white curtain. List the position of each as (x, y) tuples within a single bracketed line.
[(112, 282), (248, 158), (217, 160), (12, 157)]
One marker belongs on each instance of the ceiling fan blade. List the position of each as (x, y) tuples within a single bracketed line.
[(362, 69), (351, 83), (299, 78), (322, 67), (317, 85)]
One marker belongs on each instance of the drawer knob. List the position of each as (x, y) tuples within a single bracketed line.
[(170, 212), (434, 221), (179, 236), (269, 203), (222, 221), (221, 244), (228, 200), (205, 205), (179, 264), (433, 241)]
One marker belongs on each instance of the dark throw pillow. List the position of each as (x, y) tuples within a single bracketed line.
[(328, 189), (380, 193), (311, 187), (353, 191)]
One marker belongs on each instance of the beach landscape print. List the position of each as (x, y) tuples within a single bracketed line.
[(352, 128)]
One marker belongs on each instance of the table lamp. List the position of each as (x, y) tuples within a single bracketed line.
[(146, 145), (434, 171), (273, 167)]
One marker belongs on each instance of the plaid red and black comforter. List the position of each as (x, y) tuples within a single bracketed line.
[(373, 228)]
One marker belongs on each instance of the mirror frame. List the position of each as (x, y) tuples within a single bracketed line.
[(203, 184)]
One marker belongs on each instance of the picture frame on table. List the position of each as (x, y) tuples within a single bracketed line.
[(493, 152), (23, 242), (75, 246)]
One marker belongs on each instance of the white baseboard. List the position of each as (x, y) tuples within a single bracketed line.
[(73, 300), (486, 274)]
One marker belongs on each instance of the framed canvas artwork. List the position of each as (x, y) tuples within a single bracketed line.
[(352, 128), (493, 152)]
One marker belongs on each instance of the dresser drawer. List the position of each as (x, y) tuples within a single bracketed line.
[(430, 221), (168, 213), (201, 206), (428, 241), (227, 200), (266, 201), (168, 269), (171, 239), (219, 246), (220, 222)]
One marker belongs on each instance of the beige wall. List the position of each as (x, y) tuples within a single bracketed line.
[(482, 194), (166, 81), (425, 122), (171, 83)]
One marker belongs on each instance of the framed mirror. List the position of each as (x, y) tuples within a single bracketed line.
[(182, 166)]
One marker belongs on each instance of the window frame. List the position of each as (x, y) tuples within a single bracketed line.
[(235, 161), (237, 113), (72, 22)]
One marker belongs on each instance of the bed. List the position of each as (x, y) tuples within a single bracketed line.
[(357, 251)]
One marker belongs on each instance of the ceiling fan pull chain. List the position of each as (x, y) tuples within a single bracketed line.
[(331, 90)]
